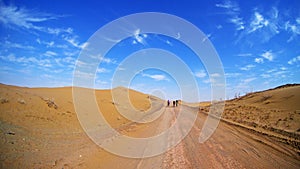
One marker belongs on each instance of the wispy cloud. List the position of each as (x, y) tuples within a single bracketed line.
[(233, 11), (257, 22), (107, 60), (50, 53), (74, 42), (266, 25), (293, 28), (248, 80), (13, 16), (8, 44), (247, 67), (264, 75), (27, 60), (214, 75), (139, 38), (268, 55), (65, 62), (156, 77), (245, 54), (294, 60), (102, 70), (200, 74), (262, 25), (206, 37), (259, 60), (232, 75), (21, 18), (228, 5)]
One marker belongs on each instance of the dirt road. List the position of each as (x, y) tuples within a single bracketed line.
[(229, 147)]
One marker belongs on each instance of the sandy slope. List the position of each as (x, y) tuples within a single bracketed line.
[(39, 126), (40, 129), (278, 108)]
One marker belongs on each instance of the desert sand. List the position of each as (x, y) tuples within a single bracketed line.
[(40, 129)]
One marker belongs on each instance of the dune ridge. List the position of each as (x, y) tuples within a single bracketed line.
[(273, 112)]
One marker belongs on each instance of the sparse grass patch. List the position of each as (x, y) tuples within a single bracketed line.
[(51, 103), (3, 100), (265, 97), (21, 101)]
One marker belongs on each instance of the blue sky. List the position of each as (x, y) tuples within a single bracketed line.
[(258, 42)]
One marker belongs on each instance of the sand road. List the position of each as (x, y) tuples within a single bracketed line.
[(229, 147)]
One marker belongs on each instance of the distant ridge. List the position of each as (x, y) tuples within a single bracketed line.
[(286, 85)]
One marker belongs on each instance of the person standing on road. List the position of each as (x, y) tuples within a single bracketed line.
[(168, 103)]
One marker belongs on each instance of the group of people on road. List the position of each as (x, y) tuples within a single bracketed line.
[(174, 102)]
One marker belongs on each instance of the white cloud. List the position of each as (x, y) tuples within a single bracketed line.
[(268, 55), (50, 53), (280, 73), (156, 77), (298, 20), (238, 22), (271, 70), (134, 42), (121, 68), (257, 22), (219, 27), (8, 44), (266, 26), (200, 74), (215, 75), (178, 36), (74, 42), (284, 68), (27, 60), (67, 60), (232, 10), (107, 60), (206, 37), (19, 17), (50, 44), (228, 5), (13, 16), (265, 75), (102, 70), (294, 60), (259, 60), (81, 74), (57, 31), (245, 54), (247, 67), (71, 53), (293, 28), (248, 80), (209, 80), (232, 75), (169, 43), (139, 38)]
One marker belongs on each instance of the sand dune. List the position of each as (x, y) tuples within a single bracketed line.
[(275, 112), (278, 108), (40, 129), (31, 117)]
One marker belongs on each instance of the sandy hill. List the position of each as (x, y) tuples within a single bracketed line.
[(29, 106), (284, 97), (31, 119), (275, 110)]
